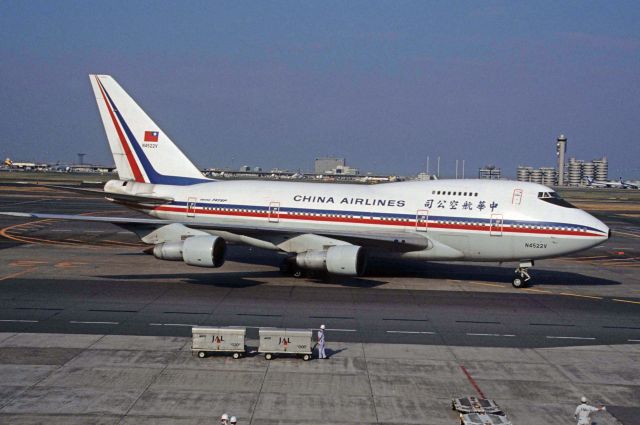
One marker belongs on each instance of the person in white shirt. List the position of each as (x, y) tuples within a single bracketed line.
[(584, 411), (321, 353)]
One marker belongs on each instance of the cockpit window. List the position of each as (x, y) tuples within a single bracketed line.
[(554, 198)]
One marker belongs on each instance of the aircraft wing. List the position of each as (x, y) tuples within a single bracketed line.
[(398, 241), (99, 193)]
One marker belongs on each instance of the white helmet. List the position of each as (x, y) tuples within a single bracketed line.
[(321, 326), (233, 420), (224, 417), (583, 399)]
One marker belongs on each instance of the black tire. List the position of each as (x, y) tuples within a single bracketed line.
[(518, 282), (236, 355), (268, 356), (306, 357), (202, 354)]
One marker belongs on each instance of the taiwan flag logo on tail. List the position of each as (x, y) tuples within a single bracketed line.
[(151, 136)]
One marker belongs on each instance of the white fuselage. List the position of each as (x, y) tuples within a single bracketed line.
[(471, 220)]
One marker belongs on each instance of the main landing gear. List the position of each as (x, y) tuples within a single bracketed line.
[(522, 275)]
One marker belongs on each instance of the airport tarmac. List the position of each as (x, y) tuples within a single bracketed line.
[(399, 334)]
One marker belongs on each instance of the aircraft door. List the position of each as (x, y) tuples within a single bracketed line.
[(274, 212), (422, 220), (496, 224), (191, 207), (517, 197)]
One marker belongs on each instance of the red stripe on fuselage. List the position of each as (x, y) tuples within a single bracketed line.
[(127, 150), (377, 221)]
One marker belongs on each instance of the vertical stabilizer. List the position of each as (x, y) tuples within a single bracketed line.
[(141, 150)]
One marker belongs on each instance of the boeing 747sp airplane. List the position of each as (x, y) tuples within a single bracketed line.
[(326, 227)]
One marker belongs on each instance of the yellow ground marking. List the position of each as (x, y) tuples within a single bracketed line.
[(488, 284), (626, 301), (123, 243), (16, 274), (69, 264), (5, 233), (581, 296), (537, 290), (26, 263), (617, 232)]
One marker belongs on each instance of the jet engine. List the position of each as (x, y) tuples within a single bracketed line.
[(201, 251), (347, 260)]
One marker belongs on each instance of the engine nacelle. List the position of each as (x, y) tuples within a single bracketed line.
[(201, 251), (347, 260)]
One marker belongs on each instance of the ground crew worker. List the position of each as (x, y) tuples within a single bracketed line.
[(233, 420), (321, 353), (224, 419), (584, 411)]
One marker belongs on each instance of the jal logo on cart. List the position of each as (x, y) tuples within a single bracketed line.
[(284, 341), (217, 339)]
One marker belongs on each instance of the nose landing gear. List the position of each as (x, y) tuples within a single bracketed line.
[(522, 275)]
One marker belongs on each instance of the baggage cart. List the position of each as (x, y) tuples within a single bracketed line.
[(229, 339), (483, 419), (475, 405), (285, 341)]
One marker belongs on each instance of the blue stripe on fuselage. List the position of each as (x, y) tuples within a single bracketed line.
[(369, 214)]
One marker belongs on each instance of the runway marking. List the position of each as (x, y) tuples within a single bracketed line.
[(473, 382), (342, 330), (620, 327), (259, 315), (477, 322), (93, 323), (172, 324), (570, 337), (16, 274), (19, 321), (61, 231), (411, 332), (580, 296), (501, 335), (331, 317), (552, 324), (626, 301), (407, 320), (633, 340)]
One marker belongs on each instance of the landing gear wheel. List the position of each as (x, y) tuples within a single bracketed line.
[(236, 355), (202, 354), (268, 356), (522, 275), (518, 282)]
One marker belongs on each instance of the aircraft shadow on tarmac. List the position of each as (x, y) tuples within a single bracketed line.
[(482, 272), (242, 279), (462, 272)]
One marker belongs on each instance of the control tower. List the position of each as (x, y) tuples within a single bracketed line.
[(561, 148)]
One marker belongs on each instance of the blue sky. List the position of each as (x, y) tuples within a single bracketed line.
[(384, 84)]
